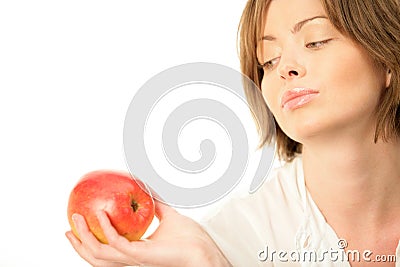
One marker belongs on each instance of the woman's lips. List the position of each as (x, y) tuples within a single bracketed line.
[(297, 97)]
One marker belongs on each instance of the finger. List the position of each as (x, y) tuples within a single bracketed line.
[(138, 252), (72, 238), (91, 248), (79, 248), (162, 209), (161, 206), (85, 235), (116, 241), (76, 244), (113, 237)]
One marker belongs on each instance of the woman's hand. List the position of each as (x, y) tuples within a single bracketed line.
[(178, 241)]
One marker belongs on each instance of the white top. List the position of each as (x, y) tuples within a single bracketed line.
[(280, 225)]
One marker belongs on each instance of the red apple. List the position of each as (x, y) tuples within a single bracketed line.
[(129, 208)]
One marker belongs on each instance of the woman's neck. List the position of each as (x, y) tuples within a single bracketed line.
[(354, 181)]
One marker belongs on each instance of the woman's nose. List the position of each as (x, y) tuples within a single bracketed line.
[(290, 69)]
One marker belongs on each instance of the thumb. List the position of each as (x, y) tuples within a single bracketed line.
[(162, 209)]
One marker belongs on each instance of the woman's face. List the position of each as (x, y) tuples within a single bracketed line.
[(316, 82)]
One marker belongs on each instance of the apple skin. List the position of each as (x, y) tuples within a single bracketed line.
[(129, 208)]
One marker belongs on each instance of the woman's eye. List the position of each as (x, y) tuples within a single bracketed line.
[(270, 63), (316, 45)]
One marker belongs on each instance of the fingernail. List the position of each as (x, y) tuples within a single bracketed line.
[(99, 214), (67, 235), (75, 218)]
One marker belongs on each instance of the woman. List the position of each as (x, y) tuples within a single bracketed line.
[(329, 74)]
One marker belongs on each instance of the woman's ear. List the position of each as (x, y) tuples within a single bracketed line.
[(388, 77)]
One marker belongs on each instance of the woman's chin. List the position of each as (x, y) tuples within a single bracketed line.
[(303, 132)]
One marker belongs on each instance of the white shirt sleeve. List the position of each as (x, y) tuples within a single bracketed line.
[(268, 219)]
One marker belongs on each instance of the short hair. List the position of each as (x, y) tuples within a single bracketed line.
[(373, 24)]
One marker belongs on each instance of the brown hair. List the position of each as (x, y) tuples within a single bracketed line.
[(374, 24)]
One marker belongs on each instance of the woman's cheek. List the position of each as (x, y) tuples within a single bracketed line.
[(270, 96)]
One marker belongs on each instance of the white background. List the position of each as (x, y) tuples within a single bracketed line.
[(68, 71)]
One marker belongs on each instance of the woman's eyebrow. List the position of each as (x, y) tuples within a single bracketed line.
[(297, 27)]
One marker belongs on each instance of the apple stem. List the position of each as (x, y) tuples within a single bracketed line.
[(134, 205)]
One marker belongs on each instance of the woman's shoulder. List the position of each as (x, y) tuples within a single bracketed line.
[(284, 182), (281, 194), (271, 214)]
